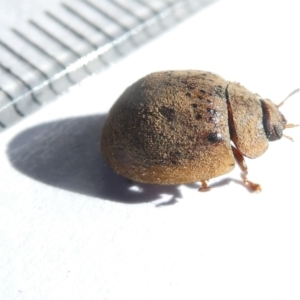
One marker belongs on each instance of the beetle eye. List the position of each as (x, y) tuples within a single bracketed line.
[(277, 131), (273, 133), (273, 120)]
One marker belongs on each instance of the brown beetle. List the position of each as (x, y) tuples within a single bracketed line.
[(178, 127)]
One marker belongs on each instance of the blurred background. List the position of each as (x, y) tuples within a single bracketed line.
[(48, 47), (70, 228)]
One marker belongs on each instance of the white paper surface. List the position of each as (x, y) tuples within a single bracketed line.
[(70, 228)]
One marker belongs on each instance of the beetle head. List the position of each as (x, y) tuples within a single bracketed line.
[(273, 120)]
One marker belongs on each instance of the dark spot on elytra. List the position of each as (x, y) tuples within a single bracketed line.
[(167, 112), (191, 85), (209, 101), (160, 136), (188, 94), (219, 91), (194, 105), (198, 117), (177, 153), (215, 137), (202, 91)]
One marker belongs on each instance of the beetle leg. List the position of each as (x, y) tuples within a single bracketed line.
[(242, 164), (204, 187)]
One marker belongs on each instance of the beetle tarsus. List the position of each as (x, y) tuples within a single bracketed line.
[(204, 187), (254, 187)]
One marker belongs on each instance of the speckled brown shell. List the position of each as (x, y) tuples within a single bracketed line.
[(170, 128)]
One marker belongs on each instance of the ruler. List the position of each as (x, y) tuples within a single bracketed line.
[(52, 46)]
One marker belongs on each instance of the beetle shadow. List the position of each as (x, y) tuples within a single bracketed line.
[(66, 154), (227, 181)]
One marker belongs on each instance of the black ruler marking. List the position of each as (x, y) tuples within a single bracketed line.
[(58, 41), (26, 61), (11, 99), (43, 51), (29, 87)]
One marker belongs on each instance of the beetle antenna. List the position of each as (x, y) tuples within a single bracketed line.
[(291, 94), (291, 125), (288, 137)]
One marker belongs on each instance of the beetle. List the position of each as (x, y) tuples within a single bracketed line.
[(177, 127)]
